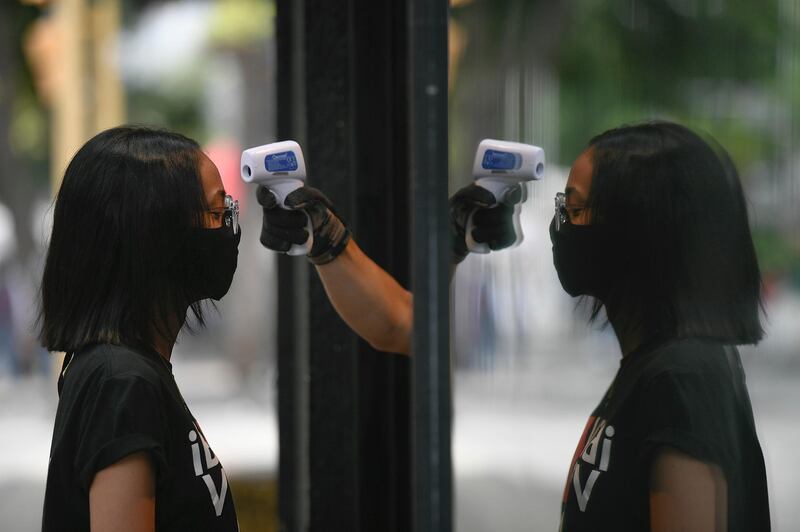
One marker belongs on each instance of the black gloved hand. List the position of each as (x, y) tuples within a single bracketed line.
[(281, 228), (493, 225)]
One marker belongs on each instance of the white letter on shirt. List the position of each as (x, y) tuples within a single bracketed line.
[(583, 494)]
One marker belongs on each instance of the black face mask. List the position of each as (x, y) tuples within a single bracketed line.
[(582, 258), (213, 257)]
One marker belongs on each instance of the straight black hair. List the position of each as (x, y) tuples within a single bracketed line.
[(682, 250), (117, 258)]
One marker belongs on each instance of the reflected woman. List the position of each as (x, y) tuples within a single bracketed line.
[(143, 231), (653, 228)]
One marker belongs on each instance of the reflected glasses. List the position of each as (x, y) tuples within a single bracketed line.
[(562, 215)]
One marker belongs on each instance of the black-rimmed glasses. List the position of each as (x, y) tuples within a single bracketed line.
[(562, 214), (230, 213)]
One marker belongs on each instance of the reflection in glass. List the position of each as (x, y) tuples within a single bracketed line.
[(528, 368)]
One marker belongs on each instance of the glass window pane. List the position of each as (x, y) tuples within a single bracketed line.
[(529, 369)]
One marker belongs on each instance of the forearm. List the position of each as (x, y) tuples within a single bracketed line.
[(369, 300)]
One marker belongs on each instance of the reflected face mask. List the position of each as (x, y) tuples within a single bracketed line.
[(581, 256)]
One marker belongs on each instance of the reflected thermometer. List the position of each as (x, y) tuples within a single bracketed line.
[(500, 166)]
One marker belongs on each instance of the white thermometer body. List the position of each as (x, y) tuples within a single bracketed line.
[(281, 168), (500, 166)]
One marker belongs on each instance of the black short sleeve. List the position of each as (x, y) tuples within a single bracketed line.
[(123, 417), (118, 400), (685, 411), (685, 394)]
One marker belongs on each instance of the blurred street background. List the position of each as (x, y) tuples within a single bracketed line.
[(528, 370)]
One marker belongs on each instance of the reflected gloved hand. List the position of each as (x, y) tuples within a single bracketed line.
[(283, 227), (494, 225)]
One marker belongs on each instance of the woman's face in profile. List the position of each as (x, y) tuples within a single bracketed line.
[(213, 191), (579, 183)]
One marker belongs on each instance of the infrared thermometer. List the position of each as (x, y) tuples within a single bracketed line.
[(281, 168), (500, 166)]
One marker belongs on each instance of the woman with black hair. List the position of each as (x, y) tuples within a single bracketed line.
[(653, 227), (143, 231)]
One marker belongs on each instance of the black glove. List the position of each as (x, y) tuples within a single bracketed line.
[(493, 225), (281, 227)]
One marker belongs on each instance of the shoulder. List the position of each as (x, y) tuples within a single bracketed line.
[(107, 361), (689, 400), (689, 380), (689, 356), (691, 377)]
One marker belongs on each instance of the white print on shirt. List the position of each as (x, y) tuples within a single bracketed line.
[(596, 441), (217, 497)]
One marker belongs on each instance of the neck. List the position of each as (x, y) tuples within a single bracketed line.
[(164, 337), (629, 339), (164, 345)]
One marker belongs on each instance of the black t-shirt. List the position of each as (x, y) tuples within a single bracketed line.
[(689, 395), (115, 401)]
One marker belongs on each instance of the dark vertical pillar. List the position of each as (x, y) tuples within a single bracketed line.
[(334, 451), (293, 302), (383, 193), (353, 90), (430, 266)]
